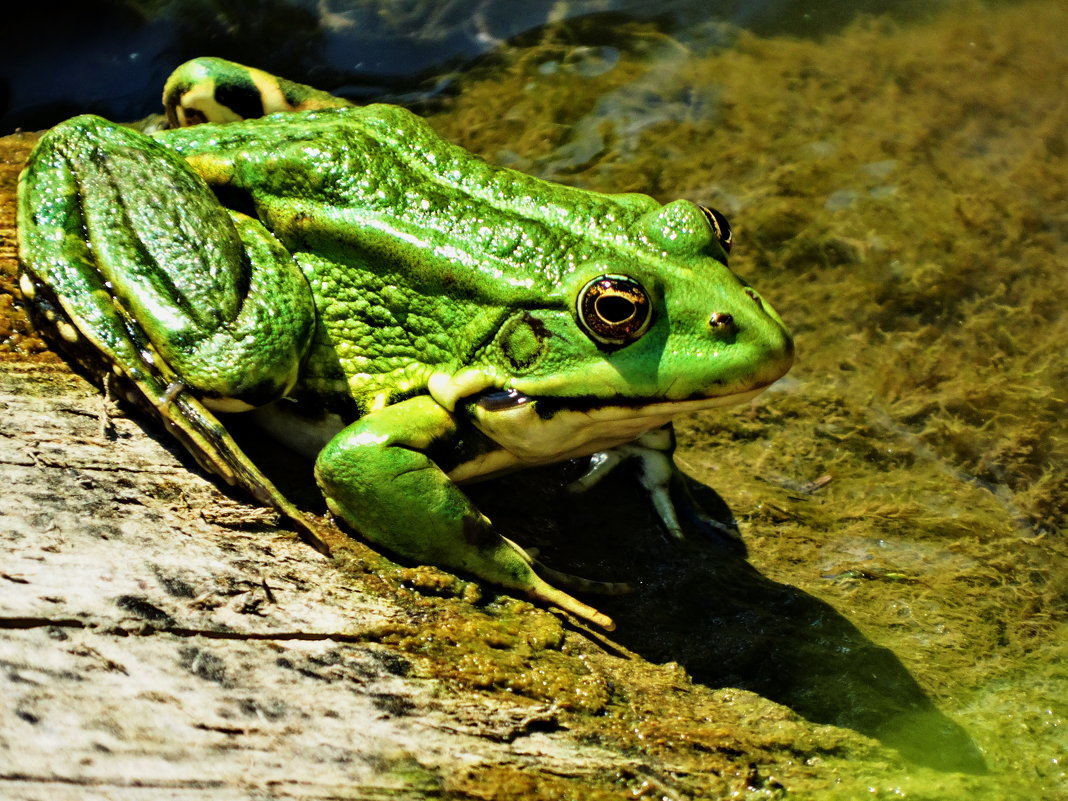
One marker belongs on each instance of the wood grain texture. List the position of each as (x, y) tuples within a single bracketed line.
[(150, 652)]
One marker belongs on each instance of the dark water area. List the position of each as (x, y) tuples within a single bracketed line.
[(59, 59)]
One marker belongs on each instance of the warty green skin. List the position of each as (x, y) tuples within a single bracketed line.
[(369, 286), (418, 260)]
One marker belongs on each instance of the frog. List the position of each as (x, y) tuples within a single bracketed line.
[(406, 314)]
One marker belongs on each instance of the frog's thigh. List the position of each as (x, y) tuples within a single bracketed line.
[(376, 476), (105, 211), (255, 358)]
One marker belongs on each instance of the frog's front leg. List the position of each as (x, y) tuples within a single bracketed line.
[(654, 455), (377, 476)]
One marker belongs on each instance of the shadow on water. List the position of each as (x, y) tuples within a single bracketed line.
[(704, 606)]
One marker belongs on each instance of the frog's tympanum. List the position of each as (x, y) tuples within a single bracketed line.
[(410, 315)]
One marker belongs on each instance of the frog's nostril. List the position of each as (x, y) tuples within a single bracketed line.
[(721, 320)]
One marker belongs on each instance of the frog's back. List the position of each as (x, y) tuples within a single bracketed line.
[(416, 251), (378, 177)]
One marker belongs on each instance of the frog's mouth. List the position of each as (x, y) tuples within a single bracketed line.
[(549, 407)]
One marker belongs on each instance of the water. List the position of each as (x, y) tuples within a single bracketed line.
[(110, 58), (897, 191)]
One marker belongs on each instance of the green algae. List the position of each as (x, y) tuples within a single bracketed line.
[(898, 192)]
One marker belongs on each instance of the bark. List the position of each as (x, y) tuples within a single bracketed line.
[(158, 635)]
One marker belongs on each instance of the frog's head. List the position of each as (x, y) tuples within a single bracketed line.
[(660, 328)]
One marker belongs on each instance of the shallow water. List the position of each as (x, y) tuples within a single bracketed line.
[(898, 191)]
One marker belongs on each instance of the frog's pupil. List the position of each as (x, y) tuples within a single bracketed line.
[(614, 309)]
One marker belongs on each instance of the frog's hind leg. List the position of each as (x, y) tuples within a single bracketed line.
[(215, 90), (127, 255), (132, 240)]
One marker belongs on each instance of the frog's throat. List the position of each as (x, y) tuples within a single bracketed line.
[(527, 437)]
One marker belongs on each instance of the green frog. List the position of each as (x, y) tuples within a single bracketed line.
[(411, 316)]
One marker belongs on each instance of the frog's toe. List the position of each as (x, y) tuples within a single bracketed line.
[(548, 594), (536, 577)]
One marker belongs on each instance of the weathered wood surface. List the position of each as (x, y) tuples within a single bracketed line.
[(149, 652)]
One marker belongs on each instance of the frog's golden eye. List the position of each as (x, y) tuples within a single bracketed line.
[(614, 310), (720, 227)]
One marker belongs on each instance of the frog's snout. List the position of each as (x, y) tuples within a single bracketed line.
[(756, 334)]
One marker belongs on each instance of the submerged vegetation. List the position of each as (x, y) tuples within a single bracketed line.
[(898, 192)]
